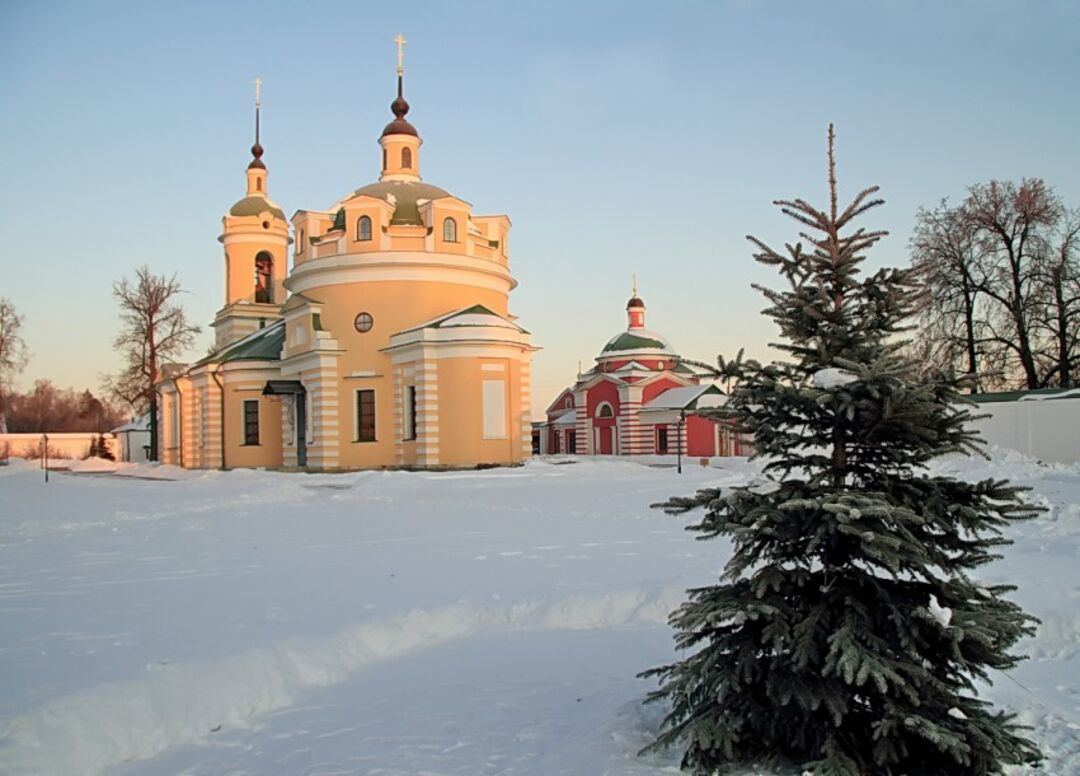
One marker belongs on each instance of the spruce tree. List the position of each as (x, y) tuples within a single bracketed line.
[(103, 448), (846, 635)]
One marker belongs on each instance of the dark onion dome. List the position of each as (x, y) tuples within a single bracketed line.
[(399, 126), (257, 163), (253, 206), (637, 341), (405, 196), (635, 301)]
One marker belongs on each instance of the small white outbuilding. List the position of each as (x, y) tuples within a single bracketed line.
[(134, 439)]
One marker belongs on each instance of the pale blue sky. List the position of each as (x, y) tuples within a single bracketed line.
[(619, 138)]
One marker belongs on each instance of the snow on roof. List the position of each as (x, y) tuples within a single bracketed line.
[(479, 319), (684, 397), (568, 418), (141, 423), (475, 315), (637, 341)]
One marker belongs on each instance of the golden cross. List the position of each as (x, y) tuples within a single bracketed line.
[(258, 90), (400, 41)]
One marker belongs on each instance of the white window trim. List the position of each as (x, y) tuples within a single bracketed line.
[(601, 406)]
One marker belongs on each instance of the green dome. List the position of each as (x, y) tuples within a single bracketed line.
[(637, 341), (404, 196), (253, 206)]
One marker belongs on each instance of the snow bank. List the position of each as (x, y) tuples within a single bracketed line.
[(176, 704)]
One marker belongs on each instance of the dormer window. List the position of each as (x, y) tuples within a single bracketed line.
[(406, 158), (449, 230), (363, 228)]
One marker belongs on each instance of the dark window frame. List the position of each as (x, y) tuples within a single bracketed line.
[(363, 229), (449, 230), (251, 423), (410, 409), (661, 440), (365, 415)]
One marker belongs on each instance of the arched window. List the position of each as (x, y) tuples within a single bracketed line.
[(605, 410), (363, 228), (384, 158), (406, 158), (449, 230), (258, 184), (264, 278)]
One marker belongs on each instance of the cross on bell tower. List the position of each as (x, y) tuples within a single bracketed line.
[(400, 141)]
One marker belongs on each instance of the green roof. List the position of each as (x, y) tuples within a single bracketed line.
[(628, 341), (404, 196), (1032, 395), (263, 345), (253, 206)]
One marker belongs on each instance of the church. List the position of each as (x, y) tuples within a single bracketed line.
[(389, 342), (639, 399)]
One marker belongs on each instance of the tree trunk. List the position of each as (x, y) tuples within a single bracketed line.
[(1064, 370), (969, 334), (153, 456)]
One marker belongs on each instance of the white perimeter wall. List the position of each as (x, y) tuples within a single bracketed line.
[(63, 445), (1048, 430)]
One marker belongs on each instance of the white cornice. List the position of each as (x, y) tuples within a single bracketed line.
[(416, 266)]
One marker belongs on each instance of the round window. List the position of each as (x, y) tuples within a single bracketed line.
[(364, 322), (266, 224)]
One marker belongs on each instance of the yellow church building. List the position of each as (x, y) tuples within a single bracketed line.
[(389, 342)]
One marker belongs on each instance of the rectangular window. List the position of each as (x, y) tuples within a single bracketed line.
[(365, 416), (251, 422), (661, 440), (174, 421), (410, 412), (204, 418), (494, 409)]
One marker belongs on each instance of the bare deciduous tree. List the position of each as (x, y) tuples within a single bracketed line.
[(1059, 315), (155, 331), (1002, 285), (948, 257), (13, 353), (1011, 222), (47, 408)]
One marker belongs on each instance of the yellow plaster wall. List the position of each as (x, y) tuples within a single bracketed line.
[(268, 451), (366, 455), (461, 419)]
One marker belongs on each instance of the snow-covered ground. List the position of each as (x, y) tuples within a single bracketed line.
[(400, 623)]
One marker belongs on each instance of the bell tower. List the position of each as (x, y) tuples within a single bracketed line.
[(400, 141), (255, 235)]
